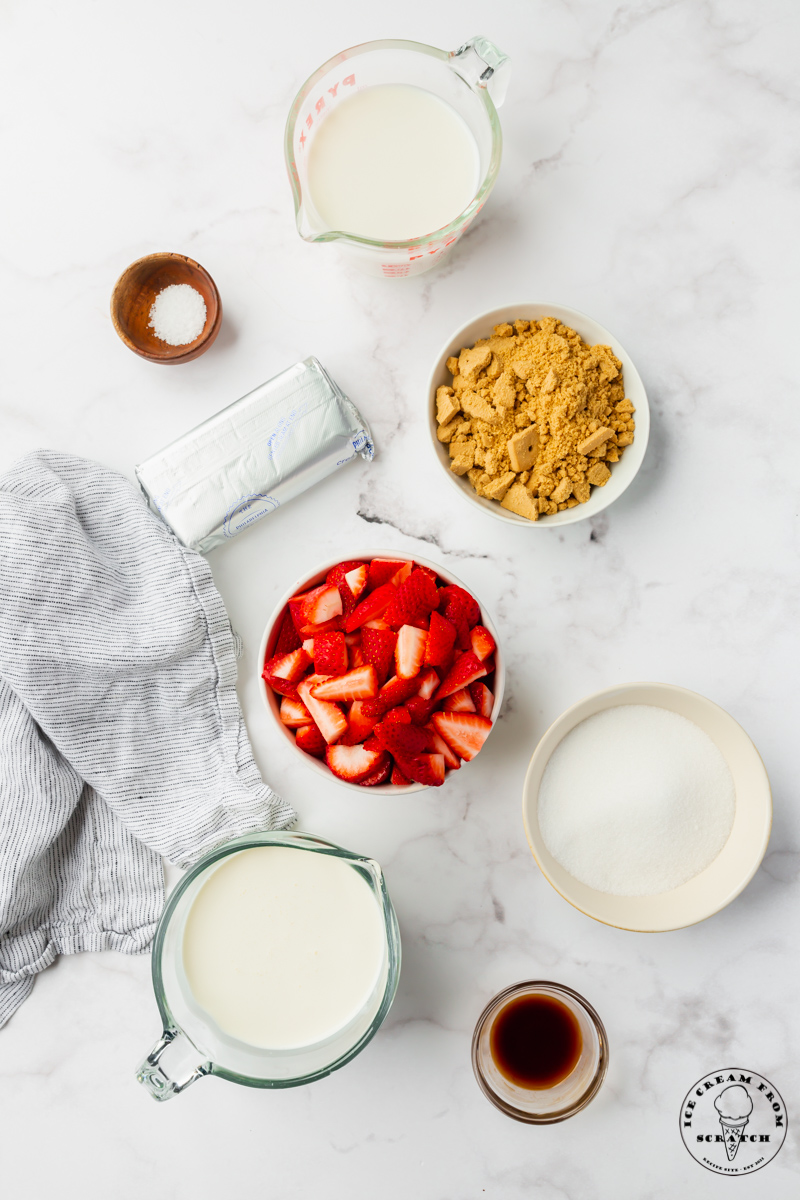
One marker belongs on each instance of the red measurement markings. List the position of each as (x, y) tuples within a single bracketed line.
[(348, 81)]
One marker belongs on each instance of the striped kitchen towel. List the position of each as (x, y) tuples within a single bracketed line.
[(121, 736)]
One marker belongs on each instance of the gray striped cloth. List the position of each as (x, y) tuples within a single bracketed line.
[(121, 736)]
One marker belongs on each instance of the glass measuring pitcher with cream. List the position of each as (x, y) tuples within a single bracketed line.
[(275, 962), (393, 147)]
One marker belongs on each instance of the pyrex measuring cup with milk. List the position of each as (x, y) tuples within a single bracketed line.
[(275, 962), (393, 147)]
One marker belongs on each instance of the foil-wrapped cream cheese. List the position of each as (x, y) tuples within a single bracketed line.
[(254, 455)]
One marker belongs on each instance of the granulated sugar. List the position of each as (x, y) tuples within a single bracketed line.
[(178, 314), (635, 801)]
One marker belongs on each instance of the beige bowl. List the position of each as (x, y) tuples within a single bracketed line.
[(270, 636), (622, 473), (734, 866)]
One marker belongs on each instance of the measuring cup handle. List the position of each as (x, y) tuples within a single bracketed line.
[(482, 65), (153, 1076)]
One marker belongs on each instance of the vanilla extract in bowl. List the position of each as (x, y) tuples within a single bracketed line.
[(535, 1041)]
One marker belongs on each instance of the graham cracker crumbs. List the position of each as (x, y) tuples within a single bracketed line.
[(545, 416)]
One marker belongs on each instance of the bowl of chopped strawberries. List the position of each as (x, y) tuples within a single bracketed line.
[(383, 672)]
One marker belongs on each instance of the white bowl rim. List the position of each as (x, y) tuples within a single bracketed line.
[(319, 766), (567, 721), (632, 460)]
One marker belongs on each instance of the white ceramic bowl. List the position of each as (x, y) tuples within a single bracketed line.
[(311, 580), (734, 866), (622, 473)]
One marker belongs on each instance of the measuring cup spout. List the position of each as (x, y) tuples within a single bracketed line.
[(154, 1078), (482, 65)]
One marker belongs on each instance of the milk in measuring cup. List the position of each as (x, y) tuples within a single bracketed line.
[(392, 162), (283, 947)]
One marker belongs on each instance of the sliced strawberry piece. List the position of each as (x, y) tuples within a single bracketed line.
[(464, 733), (399, 714), (428, 683), (330, 654), (380, 774), (308, 646), (451, 760), (353, 639), (372, 606), (294, 713), (441, 639), (341, 569), (424, 768), (310, 631), (465, 671), (353, 763), (296, 610), (414, 599), (403, 741), (321, 604), (309, 738), (377, 625), (383, 570), (337, 577), (377, 646), (460, 701), (288, 638), (372, 743), (393, 693), (482, 698), (329, 717), (482, 642), (281, 686), (356, 580), (359, 726), (360, 684), (419, 709), (355, 658), (398, 778), (409, 651), (459, 601), (427, 571), (291, 666)]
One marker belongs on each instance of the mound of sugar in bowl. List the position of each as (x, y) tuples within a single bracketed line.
[(178, 314), (635, 801)]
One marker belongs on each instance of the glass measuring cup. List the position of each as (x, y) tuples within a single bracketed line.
[(191, 1041), (472, 79)]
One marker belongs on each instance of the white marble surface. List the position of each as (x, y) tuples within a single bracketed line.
[(651, 149)]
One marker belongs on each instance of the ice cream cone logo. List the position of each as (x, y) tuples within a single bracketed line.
[(734, 1105), (733, 1121)]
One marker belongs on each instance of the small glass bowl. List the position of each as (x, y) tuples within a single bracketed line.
[(542, 1106)]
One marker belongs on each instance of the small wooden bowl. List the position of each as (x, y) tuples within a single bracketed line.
[(133, 297)]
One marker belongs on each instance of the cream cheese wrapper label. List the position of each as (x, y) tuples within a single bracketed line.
[(243, 463)]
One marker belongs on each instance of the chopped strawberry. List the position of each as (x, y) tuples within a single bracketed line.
[(281, 686), (321, 604), (353, 763), (329, 717), (420, 709), (490, 665), (395, 692), (440, 746), (330, 654), (310, 631), (338, 577), (409, 651), (427, 571), (308, 646), (379, 775), (372, 606), (341, 569), (464, 732), (309, 738), (377, 646), (482, 642), (288, 638), (398, 778), (402, 575), (352, 639), (373, 743), (294, 713), (424, 768), (355, 658), (465, 671), (460, 701), (289, 666), (482, 698), (356, 580), (296, 610), (428, 683), (360, 684), (460, 608), (359, 726), (399, 714), (441, 639), (414, 599), (383, 570), (403, 741)]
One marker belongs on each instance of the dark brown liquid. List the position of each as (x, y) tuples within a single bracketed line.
[(535, 1041)]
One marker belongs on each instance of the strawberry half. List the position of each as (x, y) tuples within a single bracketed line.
[(464, 733), (424, 768), (463, 672), (441, 639), (309, 738), (414, 599), (440, 746), (289, 666), (460, 701), (374, 605), (329, 717), (360, 684), (383, 570), (353, 763), (482, 642), (377, 646), (482, 698), (338, 577), (428, 683), (356, 579), (321, 604), (330, 654), (294, 713), (359, 726), (288, 638), (409, 651)]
